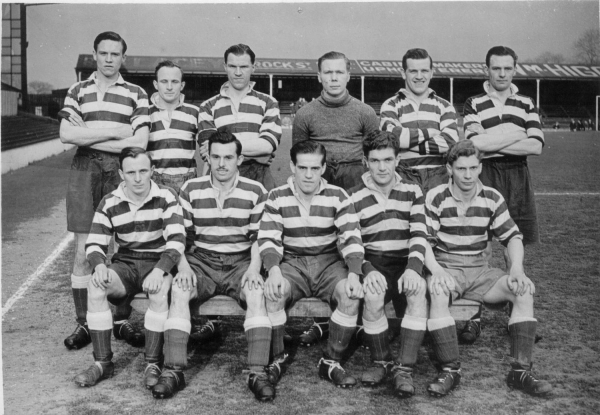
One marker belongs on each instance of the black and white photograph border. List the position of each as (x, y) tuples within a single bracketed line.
[(558, 67)]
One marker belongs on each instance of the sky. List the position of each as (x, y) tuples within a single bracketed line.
[(449, 30)]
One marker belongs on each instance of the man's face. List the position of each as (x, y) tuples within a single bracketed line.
[(501, 72), (168, 84), (239, 70), (334, 77), (382, 165), (109, 58), (417, 75), (308, 171), (224, 161), (465, 172), (136, 173)]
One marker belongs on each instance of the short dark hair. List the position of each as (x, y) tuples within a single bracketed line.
[(331, 56), (308, 147), (132, 152), (380, 140), (167, 64), (224, 137), (464, 148), (416, 53), (239, 50), (110, 36), (500, 51)]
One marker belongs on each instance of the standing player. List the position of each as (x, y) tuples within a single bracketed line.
[(146, 221), (393, 228), (423, 123), (339, 122), (253, 117), (308, 227), (460, 269), (172, 142), (506, 127), (221, 216), (102, 115)]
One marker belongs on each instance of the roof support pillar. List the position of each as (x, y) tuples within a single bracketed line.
[(271, 84), (451, 91), (362, 88), (537, 95)]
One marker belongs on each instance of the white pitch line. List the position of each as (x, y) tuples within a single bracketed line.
[(569, 194), (33, 277)]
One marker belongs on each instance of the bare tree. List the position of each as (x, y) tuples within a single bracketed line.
[(587, 47), (39, 87), (550, 57)]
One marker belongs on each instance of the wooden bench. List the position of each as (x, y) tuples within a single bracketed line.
[(222, 305)]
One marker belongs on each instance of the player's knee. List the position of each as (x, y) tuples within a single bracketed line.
[(95, 293), (179, 296), (254, 298), (373, 301), (345, 303), (438, 300), (418, 300)]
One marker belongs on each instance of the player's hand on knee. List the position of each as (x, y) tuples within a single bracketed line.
[(273, 286), (410, 283), (375, 282), (185, 279), (253, 278), (476, 128), (519, 283), (440, 282), (153, 282), (101, 277), (353, 287)]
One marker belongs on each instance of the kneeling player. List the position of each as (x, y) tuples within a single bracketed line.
[(306, 224), (460, 215), (221, 215), (147, 222), (392, 220)]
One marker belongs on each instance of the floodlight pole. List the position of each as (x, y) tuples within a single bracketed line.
[(452, 91), (537, 98), (271, 84)]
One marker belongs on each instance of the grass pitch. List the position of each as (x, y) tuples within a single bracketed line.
[(565, 268)]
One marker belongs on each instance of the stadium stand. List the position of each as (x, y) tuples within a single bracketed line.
[(25, 129)]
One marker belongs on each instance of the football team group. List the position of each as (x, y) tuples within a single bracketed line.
[(376, 209)]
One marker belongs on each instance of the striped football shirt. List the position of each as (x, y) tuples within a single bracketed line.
[(123, 103), (425, 131), (172, 141), (257, 116), (392, 226), (156, 225), (485, 109), (230, 228), (329, 225), (461, 231)]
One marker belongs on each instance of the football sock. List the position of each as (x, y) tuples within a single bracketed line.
[(177, 333), (445, 341), (79, 288), (154, 323), (258, 335), (100, 325), (376, 338), (341, 329), (522, 338), (412, 332)]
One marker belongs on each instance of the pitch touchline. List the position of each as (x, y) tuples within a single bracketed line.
[(41, 269), (569, 194)]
